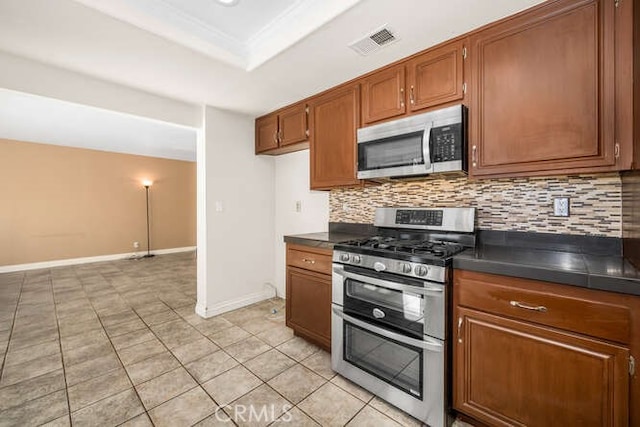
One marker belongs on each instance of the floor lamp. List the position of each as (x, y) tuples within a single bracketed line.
[(147, 184)]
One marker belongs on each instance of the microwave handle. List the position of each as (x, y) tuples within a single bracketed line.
[(437, 289), (426, 343), (426, 145)]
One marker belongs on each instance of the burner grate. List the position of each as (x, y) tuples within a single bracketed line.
[(408, 246)]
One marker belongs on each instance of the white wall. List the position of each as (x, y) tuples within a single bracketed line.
[(291, 185), (25, 75), (235, 244)]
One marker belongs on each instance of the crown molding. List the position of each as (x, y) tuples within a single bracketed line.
[(168, 21)]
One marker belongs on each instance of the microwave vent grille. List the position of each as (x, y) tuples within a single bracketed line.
[(374, 41)]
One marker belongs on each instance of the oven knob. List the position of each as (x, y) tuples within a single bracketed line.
[(378, 266), (421, 270), (405, 267), (344, 257), (356, 259)]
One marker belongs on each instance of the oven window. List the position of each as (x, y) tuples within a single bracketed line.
[(395, 363), (409, 304), (403, 150)]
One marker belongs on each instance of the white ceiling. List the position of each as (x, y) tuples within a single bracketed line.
[(31, 118), (245, 35), (179, 55)]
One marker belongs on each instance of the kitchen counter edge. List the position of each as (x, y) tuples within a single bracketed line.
[(598, 272)]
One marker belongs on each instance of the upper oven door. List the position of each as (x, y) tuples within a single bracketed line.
[(397, 148), (413, 306)]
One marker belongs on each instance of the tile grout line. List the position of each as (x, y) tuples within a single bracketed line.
[(220, 349), (146, 412), (64, 369), (13, 325), (59, 333), (172, 354), (119, 360), (121, 291)]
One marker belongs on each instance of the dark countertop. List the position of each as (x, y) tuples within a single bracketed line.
[(603, 272), (324, 240), (339, 232), (588, 262)]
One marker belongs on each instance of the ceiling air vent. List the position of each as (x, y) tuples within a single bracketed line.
[(374, 41)]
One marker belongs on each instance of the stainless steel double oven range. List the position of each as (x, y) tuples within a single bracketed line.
[(390, 300)]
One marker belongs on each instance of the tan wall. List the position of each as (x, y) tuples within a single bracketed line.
[(59, 202)]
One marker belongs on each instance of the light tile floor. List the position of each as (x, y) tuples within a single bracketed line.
[(118, 343)]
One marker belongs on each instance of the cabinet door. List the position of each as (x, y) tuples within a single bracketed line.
[(266, 133), (511, 373), (543, 91), (293, 125), (383, 95), (436, 77), (309, 305), (333, 123)]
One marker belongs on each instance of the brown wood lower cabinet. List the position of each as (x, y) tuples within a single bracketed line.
[(309, 293), (515, 364), (514, 373)]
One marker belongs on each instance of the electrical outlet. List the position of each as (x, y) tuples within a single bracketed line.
[(298, 206), (136, 245), (561, 206)]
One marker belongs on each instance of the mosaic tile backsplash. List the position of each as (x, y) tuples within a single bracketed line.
[(516, 204)]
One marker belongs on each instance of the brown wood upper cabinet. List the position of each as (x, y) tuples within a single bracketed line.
[(333, 122), (266, 133), (383, 95), (284, 131), (543, 91), (436, 76), (432, 78)]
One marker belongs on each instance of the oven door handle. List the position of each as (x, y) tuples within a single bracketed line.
[(427, 343), (438, 289)]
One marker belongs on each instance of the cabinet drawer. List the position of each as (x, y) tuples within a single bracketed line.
[(313, 259), (563, 307)]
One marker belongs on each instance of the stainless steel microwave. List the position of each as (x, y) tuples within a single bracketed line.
[(423, 144)]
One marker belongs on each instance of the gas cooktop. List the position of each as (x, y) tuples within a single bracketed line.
[(382, 244), (414, 242), (418, 251)]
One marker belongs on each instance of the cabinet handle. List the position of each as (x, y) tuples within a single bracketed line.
[(310, 261), (474, 156), (411, 99), (275, 137), (540, 308), (460, 329), (401, 97)]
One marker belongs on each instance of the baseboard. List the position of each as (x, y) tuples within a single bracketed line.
[(87, 260), (233, 304)]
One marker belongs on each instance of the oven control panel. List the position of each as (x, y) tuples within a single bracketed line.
[(419, 217), (433, 273)]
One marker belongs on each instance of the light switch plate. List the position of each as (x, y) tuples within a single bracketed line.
[(561, 206)]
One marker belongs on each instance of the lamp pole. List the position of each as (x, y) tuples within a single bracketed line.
[(147, 184)]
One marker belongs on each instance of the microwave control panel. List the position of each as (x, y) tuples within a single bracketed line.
[(446, 143)]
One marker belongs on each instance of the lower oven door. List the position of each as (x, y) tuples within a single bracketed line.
[(405, 371)]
